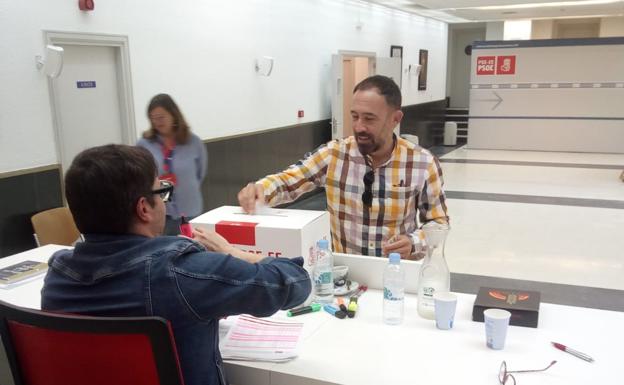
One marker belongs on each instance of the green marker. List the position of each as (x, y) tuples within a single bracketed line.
[(304, 310)]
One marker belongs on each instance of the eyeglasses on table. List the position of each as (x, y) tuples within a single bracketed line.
[(506, 378)]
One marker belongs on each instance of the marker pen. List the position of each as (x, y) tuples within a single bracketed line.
[(341, 304), (352, 307), (304, 310), (335, 312), (185, 227)]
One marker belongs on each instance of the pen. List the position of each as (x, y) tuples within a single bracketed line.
[(575, 353), (304, 310), (359, 291)]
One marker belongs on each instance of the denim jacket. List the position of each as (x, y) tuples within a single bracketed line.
[(177, 279)]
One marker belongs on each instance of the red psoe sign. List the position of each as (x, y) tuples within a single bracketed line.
[(506, 65), (486, 65), (496, 65)]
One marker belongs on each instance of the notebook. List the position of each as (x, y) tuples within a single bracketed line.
[(21, 273)]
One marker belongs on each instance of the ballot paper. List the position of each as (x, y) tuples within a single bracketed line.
[(260, 339)]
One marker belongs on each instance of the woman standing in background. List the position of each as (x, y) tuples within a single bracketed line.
[(180, 156)]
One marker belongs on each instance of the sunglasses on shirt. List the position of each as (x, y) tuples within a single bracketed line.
[(367, 195)]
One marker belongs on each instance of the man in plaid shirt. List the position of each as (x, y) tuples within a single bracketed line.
[(375, 182)]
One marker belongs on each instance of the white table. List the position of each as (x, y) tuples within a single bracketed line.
[(28, 294), (365, 351)]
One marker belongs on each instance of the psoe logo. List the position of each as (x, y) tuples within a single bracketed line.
[(506, 65), (486, 65)]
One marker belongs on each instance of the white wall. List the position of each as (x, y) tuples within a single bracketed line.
[(542, 29), (495, 30), (202, 52), (612, 26)]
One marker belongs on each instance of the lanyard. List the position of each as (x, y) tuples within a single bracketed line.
[(167, 158)]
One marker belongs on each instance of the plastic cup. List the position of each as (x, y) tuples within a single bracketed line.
[(445, 304), (496, 324)]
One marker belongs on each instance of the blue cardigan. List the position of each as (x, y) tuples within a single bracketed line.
[(190, 162)]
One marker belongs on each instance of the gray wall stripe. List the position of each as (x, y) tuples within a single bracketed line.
[(538, 164), (536, 199), (550, 117), (562, 294)]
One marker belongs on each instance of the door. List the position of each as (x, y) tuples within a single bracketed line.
[(354, 70), (336, 98), (87, 100), (390, 67), (348, 69)]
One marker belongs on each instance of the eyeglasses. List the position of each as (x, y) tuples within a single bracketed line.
[(504, 376), (367, 195), (165, 190)]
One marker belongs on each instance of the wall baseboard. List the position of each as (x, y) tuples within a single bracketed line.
[(425, 120), (232, 163)]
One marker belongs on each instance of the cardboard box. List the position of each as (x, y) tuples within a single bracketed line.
[(523, 305), (275, 232)]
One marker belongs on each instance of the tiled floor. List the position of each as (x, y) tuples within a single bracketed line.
[(573, 234), (551, 221)]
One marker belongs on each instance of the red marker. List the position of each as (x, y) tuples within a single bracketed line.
[(185, 227)]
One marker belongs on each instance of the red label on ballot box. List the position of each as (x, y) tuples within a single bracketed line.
[(240, 233)]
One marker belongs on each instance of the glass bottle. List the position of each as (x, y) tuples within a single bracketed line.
[(434, 272)]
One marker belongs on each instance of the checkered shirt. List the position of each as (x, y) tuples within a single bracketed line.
[(410, 181)]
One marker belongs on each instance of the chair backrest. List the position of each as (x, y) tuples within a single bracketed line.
[(47, 348), (55, 226)]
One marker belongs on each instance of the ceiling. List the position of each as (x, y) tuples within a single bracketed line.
[(461, 11)]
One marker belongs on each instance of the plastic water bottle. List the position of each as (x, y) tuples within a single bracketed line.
[(394, 289), (323, 274)]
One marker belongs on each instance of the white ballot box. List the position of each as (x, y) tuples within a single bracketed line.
[(280, 233)]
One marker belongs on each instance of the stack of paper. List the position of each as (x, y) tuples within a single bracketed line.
[(258, 339)]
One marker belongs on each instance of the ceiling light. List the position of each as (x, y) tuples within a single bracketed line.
[(543, 5)]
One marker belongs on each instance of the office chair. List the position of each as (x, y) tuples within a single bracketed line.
[(55, 226), (45, 348)]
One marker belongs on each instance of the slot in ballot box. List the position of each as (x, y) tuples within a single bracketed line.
[(283, 233)]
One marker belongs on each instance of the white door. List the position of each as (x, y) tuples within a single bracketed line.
[(390, 67), (337, 96), (87, 100)]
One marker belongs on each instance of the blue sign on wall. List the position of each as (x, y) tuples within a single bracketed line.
[(86, 84)]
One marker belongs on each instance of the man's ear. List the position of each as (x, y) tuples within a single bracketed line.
[(142, 210), (397, 116)]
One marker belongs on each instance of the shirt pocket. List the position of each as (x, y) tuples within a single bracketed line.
[(399, 203)]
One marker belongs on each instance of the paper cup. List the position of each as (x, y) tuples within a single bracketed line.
[(496, 323), (445, 304)]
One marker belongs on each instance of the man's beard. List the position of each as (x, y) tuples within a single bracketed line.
[(366, 144)]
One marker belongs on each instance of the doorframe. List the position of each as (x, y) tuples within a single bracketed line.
[(124, 82), (338, 85), (372, 58)]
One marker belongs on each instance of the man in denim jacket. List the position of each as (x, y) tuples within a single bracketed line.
[(125, 268)]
